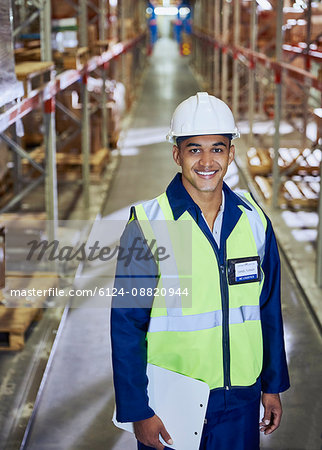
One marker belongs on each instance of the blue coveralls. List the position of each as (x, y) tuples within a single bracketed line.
[(232, 415)]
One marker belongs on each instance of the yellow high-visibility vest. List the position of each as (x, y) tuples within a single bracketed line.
[(201, 325)]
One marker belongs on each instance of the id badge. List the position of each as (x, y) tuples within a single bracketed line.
[(244, 270)]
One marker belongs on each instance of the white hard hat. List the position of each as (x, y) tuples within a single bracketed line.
[(202, 114)]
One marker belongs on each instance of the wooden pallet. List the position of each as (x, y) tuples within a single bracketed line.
[(6, 182), (15, 321), (293, 103), (259, 161), (34, 74), (27, 54), (6, 187), (113, 138), (294, 193), (24, 220), (292, 160), (69, 165), (101, 46), (75, 58)]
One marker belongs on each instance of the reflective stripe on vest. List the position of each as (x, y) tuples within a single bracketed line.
[(257, 226), (168, 267), (203, 321)]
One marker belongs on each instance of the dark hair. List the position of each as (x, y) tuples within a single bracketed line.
[(180, 139)]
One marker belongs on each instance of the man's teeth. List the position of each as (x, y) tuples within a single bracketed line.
[(206, 173)]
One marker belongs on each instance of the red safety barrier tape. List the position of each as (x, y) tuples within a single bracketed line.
[(61, 82), (50, 105), (294, 72)]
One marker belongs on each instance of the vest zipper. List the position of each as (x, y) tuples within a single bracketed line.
[(225, 325), (225, 315)]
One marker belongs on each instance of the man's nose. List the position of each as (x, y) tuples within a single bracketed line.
[(207, 159)]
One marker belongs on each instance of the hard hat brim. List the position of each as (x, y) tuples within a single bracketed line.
[(172, 138)]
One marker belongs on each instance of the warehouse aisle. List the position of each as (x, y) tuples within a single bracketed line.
[(77, 401)]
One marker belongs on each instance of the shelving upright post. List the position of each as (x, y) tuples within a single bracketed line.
[(319, 239), (224, 66), (235, 101), (277, 103), (51, 200), (217, 54), (251, 73), (306, 90), (83, 41), (102, 37)]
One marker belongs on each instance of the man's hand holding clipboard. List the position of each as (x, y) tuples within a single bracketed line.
[(180, 405), (152, 432)]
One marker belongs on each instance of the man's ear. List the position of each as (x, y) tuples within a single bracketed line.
[(176, 155), (231, 155)]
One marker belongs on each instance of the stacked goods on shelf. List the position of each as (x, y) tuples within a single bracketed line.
[(297, 33), (66, 126), (2, 256), (293, 106), (245, 21), (139, 17), (128, 77), (114, 123), (69, 132), (29, 50), (67, 55), (133, 20), (301, 167), (62, 10), (33, 129), (92, 37), (130, 28), (318, 120), (69, 142), (10, 88), (112, 29), (34, 74), (69, 165), (296, 192), (6, 180), (19, 309), (290, 18), (16, 320), (116, 107), (296, 24), (292, 160), (266, 31), (65, 44), (75, 57)]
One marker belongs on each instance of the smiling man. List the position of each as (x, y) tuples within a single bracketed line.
[(231, 336)]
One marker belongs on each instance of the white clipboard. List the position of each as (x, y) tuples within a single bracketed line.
[(180, 402)]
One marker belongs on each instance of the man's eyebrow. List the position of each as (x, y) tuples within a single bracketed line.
[(191, 144), (219, 143), (215, 144)]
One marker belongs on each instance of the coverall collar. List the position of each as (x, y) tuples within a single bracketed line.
[(180, 201)]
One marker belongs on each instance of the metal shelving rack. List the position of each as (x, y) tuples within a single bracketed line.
[(248, 59), (45, 96)]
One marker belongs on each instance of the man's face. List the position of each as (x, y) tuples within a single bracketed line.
[(204, 161)]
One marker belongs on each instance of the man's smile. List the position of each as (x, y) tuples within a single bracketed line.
[(206, 174)]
